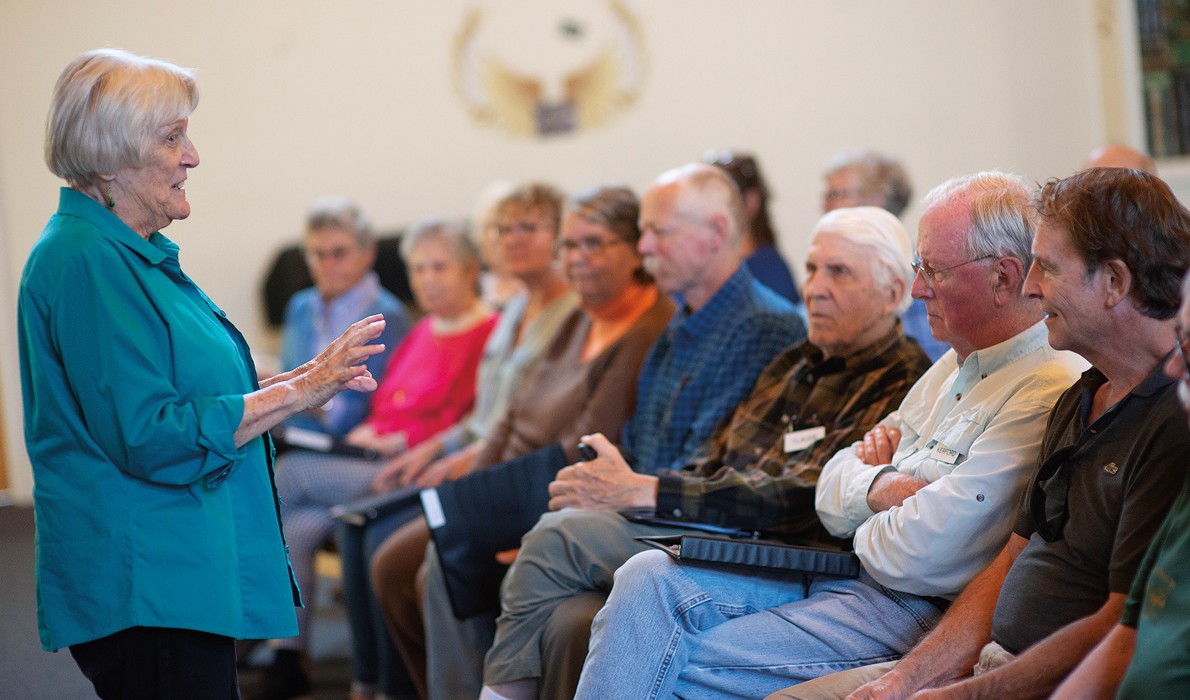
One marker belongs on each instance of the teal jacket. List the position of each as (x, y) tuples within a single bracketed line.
[(133, 380)]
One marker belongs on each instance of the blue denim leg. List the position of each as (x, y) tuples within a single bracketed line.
[(657, 613), (842, 624)]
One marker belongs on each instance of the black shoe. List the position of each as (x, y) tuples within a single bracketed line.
[(284, 678)]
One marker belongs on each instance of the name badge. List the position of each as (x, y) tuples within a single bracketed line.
[(944, 454), (798, 440)]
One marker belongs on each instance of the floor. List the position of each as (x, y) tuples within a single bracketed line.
[(29, 672)]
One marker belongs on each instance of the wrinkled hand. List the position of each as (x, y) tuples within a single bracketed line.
[(400, 470), (890, 686), (448, 468), (365, 437), (878, 446), (341, 365), (604, 483)]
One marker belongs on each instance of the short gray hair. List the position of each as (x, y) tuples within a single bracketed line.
[(454, 233), (879, 174), (882, 233), (105, 107), (1003, 217), (340, 212)]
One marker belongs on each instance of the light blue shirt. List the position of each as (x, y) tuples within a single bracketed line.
[(311, 324)]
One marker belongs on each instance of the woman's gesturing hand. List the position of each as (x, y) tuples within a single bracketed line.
[(341, 365)]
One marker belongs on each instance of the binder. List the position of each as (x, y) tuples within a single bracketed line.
[(752, 553)]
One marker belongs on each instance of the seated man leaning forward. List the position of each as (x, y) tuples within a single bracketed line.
[(756, 472), (928, 494), (1110, 250)]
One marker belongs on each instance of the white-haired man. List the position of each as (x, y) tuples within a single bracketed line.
[(928, 493), (757, 471)]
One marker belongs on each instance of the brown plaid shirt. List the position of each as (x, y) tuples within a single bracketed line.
[(742, 476)]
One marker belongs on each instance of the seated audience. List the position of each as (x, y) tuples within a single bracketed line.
[(340, 252), (866, 177), (855, 367), (429, 383), (1110, 251), (527, 224), (585, 381), (730, 327), (927, 495), (758, 241), (496, 284)]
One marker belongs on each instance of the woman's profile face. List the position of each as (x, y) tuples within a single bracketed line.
[(442, 285), (599, 264), (148, 198)]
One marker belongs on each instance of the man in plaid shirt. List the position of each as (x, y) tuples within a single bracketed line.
[(756, 471)]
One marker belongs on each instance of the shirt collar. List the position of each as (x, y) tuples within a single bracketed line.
[(360, 295), (728, 300), (71, 202), (987, 360)]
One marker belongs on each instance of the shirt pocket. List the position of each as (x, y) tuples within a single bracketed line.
[(950, 444)]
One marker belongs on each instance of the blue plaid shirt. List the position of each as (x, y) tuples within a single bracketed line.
[(702, 366)]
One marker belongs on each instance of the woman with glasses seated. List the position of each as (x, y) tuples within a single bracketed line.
[(585, 381), (428, 384)]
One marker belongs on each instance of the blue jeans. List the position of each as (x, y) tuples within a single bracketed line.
[(691, 631), (374, 658)]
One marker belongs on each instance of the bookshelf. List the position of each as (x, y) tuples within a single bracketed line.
[(1163, 31)]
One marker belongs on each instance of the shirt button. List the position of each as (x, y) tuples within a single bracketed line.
[(958, 397), (979, 497), (677, 512)]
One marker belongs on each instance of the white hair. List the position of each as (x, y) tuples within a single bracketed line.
[(105, 108), (882, 233)]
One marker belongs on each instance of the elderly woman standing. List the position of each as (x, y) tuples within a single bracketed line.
[(158, 535)]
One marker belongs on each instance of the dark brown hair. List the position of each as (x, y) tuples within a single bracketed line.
[(1127, 215)]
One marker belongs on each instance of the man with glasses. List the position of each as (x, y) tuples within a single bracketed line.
[(928, 494), (727, 328), (757, 470), (1110, 251)]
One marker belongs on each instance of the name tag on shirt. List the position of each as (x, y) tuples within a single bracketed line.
[(944, 454), (798, 440)]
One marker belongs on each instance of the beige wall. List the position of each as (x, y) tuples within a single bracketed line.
[(305, 98)]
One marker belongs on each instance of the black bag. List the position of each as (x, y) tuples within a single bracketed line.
[(473, 518)]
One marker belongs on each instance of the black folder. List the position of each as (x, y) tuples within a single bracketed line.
[(751, 553), (473, 518), (364, 510)]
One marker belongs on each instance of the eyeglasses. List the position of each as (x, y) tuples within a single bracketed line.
[(525, 228), (1048, 494), (929, 273), (589, 245), (1184, 345), (337, 254)]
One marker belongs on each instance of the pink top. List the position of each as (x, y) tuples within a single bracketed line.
[(429, 383)]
